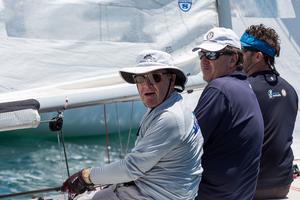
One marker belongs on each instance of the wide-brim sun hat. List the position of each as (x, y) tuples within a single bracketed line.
[(153, 60), (218, 38)]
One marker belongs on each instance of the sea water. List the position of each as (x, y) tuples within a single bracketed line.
[(30, 162), (33, 159)]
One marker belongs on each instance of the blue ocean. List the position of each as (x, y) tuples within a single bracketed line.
[(32, 162), (34, 159)]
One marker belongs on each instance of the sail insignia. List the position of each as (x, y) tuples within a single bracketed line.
[(185, 5)]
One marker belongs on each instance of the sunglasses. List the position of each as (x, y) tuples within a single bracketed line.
[(245, 49), (213, 55), (151, 77)]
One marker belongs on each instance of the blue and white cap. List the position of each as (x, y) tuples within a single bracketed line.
[(152, 60)]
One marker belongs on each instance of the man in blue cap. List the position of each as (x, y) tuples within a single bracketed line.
[(279, 104)]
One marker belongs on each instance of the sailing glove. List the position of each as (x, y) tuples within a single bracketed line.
[(76, 183)]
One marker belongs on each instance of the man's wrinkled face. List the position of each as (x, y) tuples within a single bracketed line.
[(153, 87)]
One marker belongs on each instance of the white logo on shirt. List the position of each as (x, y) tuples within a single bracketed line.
[(272, 94)]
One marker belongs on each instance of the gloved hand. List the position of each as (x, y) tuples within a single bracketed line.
[(75, 184)]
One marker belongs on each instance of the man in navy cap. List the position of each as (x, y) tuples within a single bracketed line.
[(279, 104)]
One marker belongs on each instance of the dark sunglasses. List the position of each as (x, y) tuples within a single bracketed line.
[(152, 78), (213, 55), (245, 49)]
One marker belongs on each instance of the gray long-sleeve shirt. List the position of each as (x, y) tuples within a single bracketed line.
[(165, 163)]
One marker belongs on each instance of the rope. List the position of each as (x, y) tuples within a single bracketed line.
[(106, 134), (129, 134), (56, 125), (65, 153), (61, 159), (119, 131), (30, 192), (61, 156)]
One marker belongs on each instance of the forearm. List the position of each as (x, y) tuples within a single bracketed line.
[(113, 173)]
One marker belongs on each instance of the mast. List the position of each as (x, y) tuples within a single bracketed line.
[(224, 13)]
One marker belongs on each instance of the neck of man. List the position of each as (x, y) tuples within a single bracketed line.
[(257, 67)]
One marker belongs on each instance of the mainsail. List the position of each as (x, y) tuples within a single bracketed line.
[(66, 54)]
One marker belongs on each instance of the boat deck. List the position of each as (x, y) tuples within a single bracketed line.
[(294, 193)]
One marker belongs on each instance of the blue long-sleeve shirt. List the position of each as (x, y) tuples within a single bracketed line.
[(165, 163)]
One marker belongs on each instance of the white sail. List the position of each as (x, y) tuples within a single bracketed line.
[(66, 54), (80, 45)]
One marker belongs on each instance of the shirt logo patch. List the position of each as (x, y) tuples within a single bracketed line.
[(273, 94), (283, 92)]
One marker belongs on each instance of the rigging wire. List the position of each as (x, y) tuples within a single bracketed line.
[(106, 134), (64, 150), (57, 189), (61, 158), (61, 154), (119, 131), (129, 133), (55, 125), (100, 21)]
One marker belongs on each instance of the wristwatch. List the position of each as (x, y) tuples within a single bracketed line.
[(85, 173)]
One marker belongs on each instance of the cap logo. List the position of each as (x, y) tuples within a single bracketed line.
[(148, 58), (210, 35)]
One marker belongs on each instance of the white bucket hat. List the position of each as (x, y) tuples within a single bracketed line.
[(218, 38), (152, 60)]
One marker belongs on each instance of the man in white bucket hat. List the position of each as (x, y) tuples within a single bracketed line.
[(230, 120), (165, 163), (152, 60)]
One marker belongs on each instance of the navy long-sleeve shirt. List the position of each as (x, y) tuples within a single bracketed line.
[(278, 102), (232, 126)]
